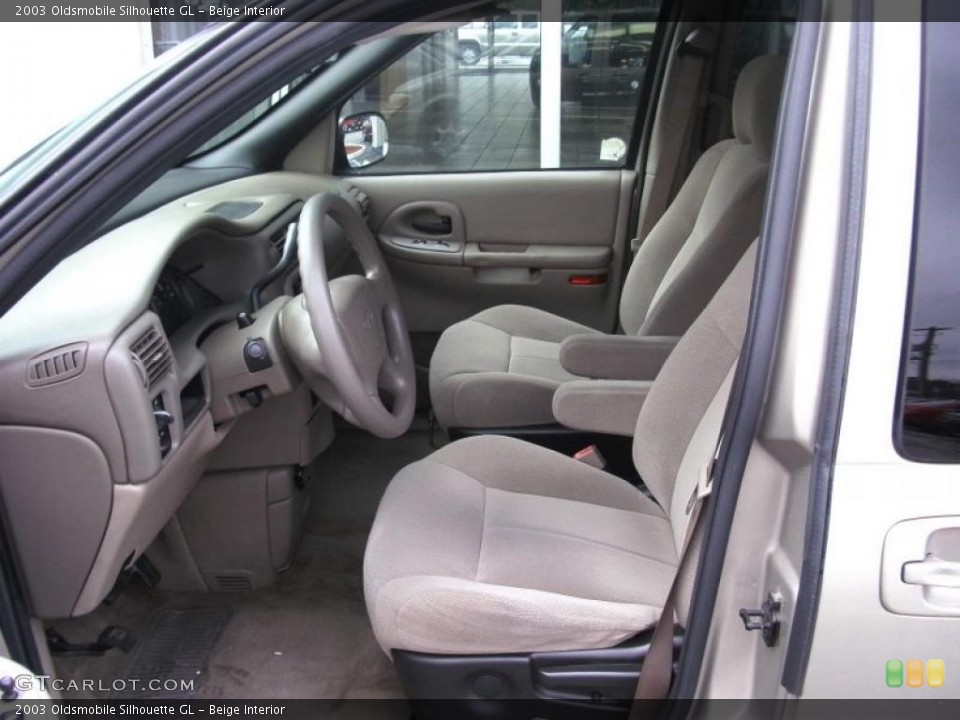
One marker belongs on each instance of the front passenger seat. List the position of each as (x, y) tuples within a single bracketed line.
[(500, 368), (493, 545)]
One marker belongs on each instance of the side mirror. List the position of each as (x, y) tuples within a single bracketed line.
[(364, 139)]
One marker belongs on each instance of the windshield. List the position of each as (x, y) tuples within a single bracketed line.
[(49, 112)]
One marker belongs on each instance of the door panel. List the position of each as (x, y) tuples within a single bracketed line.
[(459, 243)]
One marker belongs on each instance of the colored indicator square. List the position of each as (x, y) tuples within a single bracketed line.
[(914, 673), (935, 673), (894, 673)]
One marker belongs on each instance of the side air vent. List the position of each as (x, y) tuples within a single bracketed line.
[(153, 357), (57, 365)]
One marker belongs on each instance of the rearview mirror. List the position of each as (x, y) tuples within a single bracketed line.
[(364, 139)]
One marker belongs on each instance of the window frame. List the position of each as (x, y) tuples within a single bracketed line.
[(647, 98)]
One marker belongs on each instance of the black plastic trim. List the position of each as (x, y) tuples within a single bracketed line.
[(14, 616), (617, 450), (756, 358), (556, 684), (803, 622)]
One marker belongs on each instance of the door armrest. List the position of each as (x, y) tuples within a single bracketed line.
[(600, 406), (616, 357)]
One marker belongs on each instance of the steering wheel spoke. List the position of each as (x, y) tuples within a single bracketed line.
[(392, 377)]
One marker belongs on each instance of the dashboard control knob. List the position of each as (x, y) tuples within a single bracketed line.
[(256, 355), (254, 397), (162, 418), (245, 320)]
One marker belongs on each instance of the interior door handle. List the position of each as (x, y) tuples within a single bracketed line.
[(932, 572), (438, 225)]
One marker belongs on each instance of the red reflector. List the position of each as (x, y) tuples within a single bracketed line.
[(588, 279), (585, 452), (591, 456)]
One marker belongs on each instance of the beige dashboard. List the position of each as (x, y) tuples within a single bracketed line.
[(107, 420)]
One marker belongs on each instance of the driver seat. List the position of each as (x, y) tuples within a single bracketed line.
[(493, 545), (500, 368)]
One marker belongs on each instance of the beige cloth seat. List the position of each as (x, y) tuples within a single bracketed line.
[(494, 545), (500, 368)]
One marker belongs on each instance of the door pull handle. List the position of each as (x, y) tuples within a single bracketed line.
[(932, 572), (440, 225)]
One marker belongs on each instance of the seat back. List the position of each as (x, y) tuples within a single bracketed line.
[(678, 426), (713, 219)]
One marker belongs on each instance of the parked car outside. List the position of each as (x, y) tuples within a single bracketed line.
[(508, 35), (604, 57)]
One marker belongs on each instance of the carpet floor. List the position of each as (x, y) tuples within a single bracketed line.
[(307, 636)]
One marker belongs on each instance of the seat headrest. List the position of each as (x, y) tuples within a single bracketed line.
[(756, 102)]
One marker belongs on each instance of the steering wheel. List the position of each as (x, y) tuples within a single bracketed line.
[(359, 341)]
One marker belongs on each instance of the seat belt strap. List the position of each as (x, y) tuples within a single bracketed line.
[(656, 674), (692, 55)]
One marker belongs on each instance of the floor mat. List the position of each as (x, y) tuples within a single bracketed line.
[(171, 661), (306, 636)]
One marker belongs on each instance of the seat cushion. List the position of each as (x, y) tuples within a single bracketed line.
[(500, 368), (495, 545)]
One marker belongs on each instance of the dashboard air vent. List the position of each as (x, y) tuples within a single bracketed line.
[(153, 357), (57, 365), (361, 198)]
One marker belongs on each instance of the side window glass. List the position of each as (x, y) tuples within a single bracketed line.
[(928, 422), (469, 99), (258, 111), (767, 28)]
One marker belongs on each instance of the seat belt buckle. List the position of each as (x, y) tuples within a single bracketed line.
[(591, 456)]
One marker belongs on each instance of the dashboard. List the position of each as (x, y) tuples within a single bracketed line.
[(177, 298), (123, 372)]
